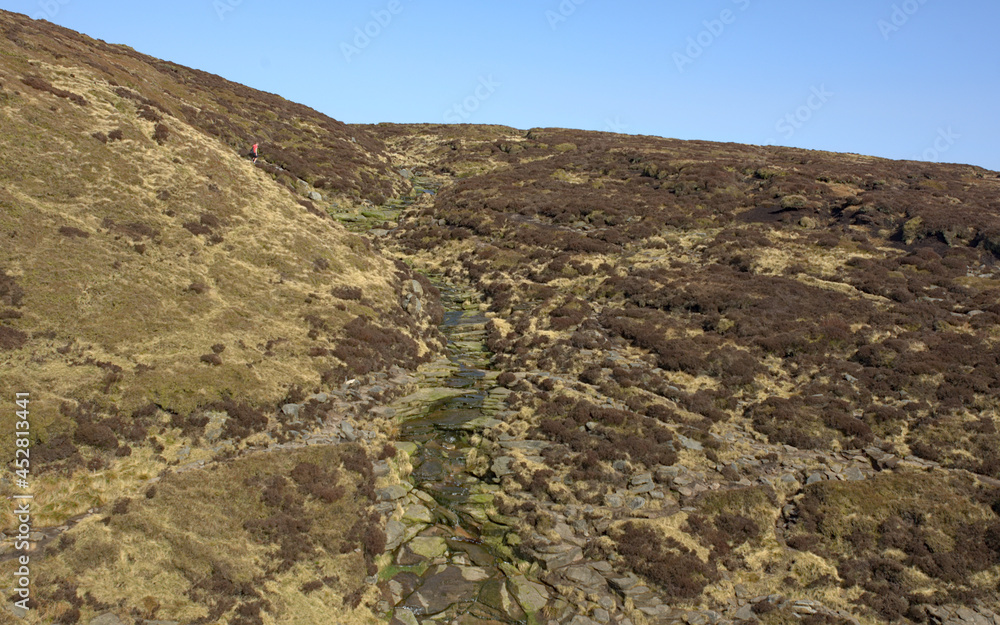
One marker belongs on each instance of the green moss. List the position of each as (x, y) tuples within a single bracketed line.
[(395, 569)]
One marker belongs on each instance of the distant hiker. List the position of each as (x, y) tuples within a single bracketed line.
[(253, 153)]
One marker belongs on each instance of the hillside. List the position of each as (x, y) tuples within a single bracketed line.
[(426, 373), (794, 352), (163, 298)]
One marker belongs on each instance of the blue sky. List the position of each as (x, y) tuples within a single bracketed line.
[(913, 79)]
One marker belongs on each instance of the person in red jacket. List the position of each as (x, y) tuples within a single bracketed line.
[(253, 153)]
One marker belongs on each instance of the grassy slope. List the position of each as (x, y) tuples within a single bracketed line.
[(97, 244), (195, 548), (786, 297), (347, 164), (145, 282)]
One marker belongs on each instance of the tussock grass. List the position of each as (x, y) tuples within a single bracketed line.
[(122, 294), (187, 547)]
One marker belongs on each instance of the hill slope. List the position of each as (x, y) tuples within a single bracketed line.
[(796, 352), (162, 298)]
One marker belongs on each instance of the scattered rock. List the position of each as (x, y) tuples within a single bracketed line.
[(530, 595), (557, 556), (585, 577), (428, 547), (348, 431), (854, 474), (690, 443), (392, 493), (440, 589), (745, 613), (403, 616), (383, 412), (528, 447), (642, 479), (696, 618), (418, 514), (394, 534)]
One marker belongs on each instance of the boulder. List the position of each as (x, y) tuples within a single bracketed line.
[(442, 588), (585, 577), (394, 533), (531, 596), (392, 493), (502, 466), (428, 547), (418, 514), (557, 556), (402, 616)]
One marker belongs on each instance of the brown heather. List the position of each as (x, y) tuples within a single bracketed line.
[(826, 302)]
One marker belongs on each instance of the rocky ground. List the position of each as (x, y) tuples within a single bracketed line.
[(746, 515)]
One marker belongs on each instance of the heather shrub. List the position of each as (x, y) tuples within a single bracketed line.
[(506, 379), (71, 232), (161, 133), (197, 228), (39, 83), (95, 435), (243, 420), (664, 561), (147, 113), (353, 293), (59, 447), (11, 338), (367, 347)]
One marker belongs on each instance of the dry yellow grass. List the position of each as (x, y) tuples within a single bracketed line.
[(117, 289), (193, 529)]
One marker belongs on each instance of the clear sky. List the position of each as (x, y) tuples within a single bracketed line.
[(913, 79)]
